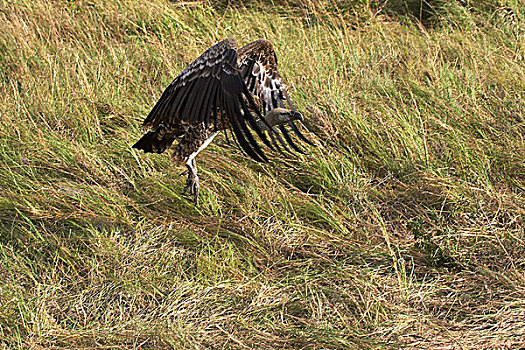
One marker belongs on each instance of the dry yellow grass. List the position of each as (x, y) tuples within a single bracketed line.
[(405, 229)]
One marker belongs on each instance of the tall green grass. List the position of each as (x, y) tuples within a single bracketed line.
[(405, 227)]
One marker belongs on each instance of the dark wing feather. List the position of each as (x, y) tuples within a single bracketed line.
[(186, 92), (258, 65), (208, 89)]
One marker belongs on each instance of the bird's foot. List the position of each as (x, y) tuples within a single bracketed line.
[(192, 184)]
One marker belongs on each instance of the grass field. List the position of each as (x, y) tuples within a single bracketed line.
[(405, 228)]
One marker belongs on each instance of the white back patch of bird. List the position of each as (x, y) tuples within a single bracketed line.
[(224, 88)]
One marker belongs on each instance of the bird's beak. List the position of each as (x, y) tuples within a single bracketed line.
[(296, 115)]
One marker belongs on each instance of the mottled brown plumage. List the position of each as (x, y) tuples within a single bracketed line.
[(222, 89)]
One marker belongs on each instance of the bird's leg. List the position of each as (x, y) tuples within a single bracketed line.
[(192, 183)]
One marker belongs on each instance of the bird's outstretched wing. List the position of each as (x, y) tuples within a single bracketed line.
[(207, 91), (258, 65)]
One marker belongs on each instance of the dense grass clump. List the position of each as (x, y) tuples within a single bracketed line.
[(405, 227)]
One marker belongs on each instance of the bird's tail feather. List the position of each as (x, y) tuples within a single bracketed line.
[(150, 142)]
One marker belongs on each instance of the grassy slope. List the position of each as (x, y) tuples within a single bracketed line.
[(406, 227)]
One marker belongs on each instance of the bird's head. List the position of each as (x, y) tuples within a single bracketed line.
[(280, 116)]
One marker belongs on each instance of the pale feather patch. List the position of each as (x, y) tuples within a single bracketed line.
[(203, 146)]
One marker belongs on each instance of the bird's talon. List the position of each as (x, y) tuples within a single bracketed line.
[(196, 194), (192, 184)]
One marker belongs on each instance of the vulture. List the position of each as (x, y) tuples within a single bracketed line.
[(224, 89)]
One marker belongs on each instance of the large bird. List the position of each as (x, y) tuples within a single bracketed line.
[(223, 89)]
